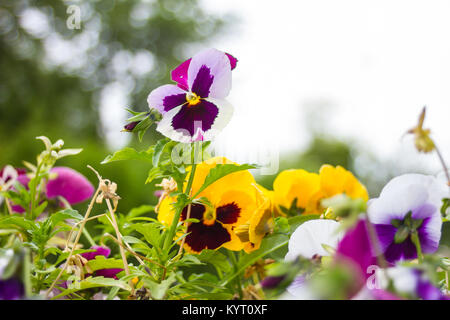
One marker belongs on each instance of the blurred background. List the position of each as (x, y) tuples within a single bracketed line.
[(317, 82)]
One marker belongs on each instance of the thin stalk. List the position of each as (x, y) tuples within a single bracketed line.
[(88, 237), (176, 218), (33, 191), (86, 216), (186, 225), (27, 273), (119, 238), (416, 241), (8, 206), (85, 231), (444, 166), (235, 266)]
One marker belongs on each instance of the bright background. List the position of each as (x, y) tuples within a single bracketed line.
[(317, 82)]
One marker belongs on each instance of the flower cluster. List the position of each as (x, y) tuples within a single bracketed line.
[(234, 212), (313, 236)]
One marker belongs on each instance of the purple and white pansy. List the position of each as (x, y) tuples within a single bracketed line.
[(409, 282), (310, 240), (408, 208), (195, 109)]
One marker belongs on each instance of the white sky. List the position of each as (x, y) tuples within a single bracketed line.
[(378, 62)]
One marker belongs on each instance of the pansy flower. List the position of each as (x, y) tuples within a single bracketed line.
[(410, 282), (63, 182), (11, 289), (310, 241), (305, 190), (195, 109), (8, 176), (407, 209), (261, 222), (227, 204)]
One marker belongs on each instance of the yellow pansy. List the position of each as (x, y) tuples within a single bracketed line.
[(261, 222), (310, 188), (295, 184), (232, 202)]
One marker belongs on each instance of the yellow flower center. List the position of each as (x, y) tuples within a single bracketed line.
[(192, 98), (209, 217)]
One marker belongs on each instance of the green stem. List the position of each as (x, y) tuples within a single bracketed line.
[(88, 237), (176, 217), (27, 274), (33, 191), (416, 241), (235, 266), (85, 231)]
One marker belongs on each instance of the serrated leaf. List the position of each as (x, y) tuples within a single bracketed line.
[(150, 231), (217, 259), (101, 262), (153, 174), (220, 171), (129, 154), (158, 290), (158, 150)]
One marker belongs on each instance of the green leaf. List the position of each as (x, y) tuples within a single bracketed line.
[(220, 171), (129, 154), (153, 174), (18, 222), (268, 245), (101, 262), (145, 208), (159, 148), (93, 282), (217, 259), (445, 235), (150, 231), (296, 221), (63, 215), (158, 290), (40, 209)]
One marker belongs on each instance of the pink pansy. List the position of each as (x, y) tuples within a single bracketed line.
[(195, 109), (69, 184), (64, 182), (180, 73)]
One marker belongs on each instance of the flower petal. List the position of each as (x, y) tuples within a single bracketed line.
[(228, 213), (291, 184), (308, 238), (166, 98), (206, 237), (180, 73), (69, 184), (99, 251), (216, 64), (357, 248), (200, 122)]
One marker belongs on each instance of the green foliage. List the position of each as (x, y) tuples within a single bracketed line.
[(129, 154), (93, 282), (445, 235)]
